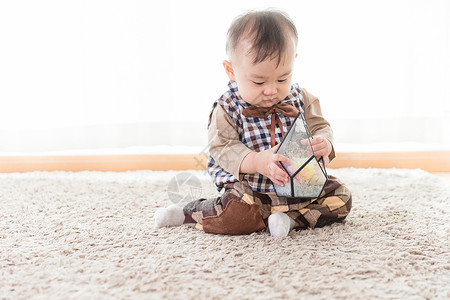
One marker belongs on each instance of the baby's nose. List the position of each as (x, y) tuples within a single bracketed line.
[(270, 90)]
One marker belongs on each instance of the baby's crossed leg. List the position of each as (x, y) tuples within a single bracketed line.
[(333, 206), (242, 211), (238, 211), (232, 213), (239, 217)]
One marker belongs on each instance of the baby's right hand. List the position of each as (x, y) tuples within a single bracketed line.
[(267, 165)]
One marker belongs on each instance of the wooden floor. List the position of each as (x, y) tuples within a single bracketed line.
[(431, 161)]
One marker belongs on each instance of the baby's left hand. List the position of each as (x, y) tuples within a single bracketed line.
[(321, 147)]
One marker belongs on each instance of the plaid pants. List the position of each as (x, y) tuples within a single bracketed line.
[(240, 210)]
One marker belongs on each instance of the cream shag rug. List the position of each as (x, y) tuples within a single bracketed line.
[(91, 235)]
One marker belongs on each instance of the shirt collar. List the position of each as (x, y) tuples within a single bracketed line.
[(235, 91)]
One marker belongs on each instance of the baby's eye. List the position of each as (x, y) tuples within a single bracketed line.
[(282, 80), (258, 83)]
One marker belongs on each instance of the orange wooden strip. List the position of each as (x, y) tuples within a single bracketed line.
[(432, 161), (103, 163)]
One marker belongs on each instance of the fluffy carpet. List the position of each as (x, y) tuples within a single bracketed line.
[(91, 235)]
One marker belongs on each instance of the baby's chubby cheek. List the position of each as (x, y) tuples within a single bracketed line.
[(251, 98)]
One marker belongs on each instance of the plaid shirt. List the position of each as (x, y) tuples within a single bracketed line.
[(254, 133)]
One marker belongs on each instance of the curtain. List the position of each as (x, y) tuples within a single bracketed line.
[(122, 74)]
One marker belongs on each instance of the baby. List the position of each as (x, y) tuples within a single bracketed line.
[(245, 127)]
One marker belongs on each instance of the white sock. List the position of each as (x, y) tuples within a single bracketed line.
[(169, 216), (280, 224)]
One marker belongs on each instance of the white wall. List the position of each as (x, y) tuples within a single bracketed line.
[(95, 74)]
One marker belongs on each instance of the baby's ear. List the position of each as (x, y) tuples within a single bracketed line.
[(229, 69)]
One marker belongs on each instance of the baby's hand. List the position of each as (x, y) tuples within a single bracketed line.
[(267, 165), (321, 147)]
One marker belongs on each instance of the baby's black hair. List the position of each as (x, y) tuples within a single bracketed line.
[(270, 30)]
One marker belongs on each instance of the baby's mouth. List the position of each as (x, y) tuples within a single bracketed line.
[(274, 100)]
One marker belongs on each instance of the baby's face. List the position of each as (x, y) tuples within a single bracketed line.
[(263, 84)]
